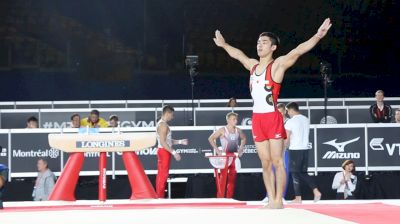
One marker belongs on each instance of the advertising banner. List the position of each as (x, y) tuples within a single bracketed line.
[(27, 148), (335, 145), (384, 146)]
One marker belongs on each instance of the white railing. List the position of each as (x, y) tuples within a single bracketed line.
[(147, 116), (181, 103)]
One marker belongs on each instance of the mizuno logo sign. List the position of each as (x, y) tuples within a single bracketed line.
[(340, 145)]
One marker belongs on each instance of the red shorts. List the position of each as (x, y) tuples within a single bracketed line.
[(268, 126)]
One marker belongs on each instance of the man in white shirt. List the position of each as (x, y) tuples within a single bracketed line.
[(297, 130)]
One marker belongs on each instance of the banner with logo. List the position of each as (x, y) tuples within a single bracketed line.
[(27, 148), (384, 146), (335, 145)]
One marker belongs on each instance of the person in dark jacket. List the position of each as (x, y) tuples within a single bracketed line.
[(380, 111)]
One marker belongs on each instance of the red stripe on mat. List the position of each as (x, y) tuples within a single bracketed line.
[(126, 206), (371, 213)]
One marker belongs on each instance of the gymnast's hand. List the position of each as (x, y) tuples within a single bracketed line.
[(219, 39), (323, 29)]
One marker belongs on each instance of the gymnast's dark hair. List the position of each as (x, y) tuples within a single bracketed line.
[(293, 105), (273, 37), (167, 108)]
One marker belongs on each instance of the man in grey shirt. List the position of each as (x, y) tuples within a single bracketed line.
[(44, 182)]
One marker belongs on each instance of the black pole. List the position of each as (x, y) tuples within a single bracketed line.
[(191, 63), (326, 97), (192, 79), (325, 70)]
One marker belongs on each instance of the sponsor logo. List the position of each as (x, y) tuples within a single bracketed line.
[(250, 149), (56, 124), (102, 144), (3, 152), (137, 124), (52, 153), (246, 121), (278, 136), (187, 151), (377, 145), (147, 152), (340, 147), (329, 119), (96, 154), (206, 150), (143, 152)]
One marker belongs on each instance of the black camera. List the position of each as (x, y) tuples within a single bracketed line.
[(192, 60), (325, 68)]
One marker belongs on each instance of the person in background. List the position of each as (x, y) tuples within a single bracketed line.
[(165, 150), (345, 182), (32, 122), (3, 181), (297, 142), (229, 136), (397, 116), (75, 121), (232, 103), (94, 120), (380, 111), (44, 182), (113, 121)]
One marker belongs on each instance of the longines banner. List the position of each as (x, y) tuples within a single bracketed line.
[(334, 145)]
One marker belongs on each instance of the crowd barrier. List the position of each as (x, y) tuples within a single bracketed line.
[(373, 147), (354, 101), (203, 116)]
